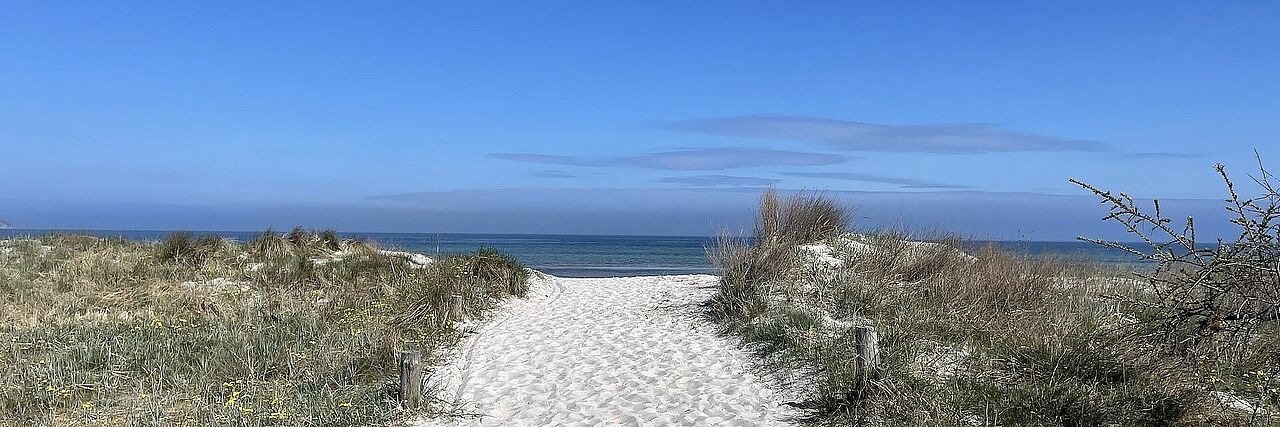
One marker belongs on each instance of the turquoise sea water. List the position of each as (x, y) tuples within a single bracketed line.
[(597, 256)]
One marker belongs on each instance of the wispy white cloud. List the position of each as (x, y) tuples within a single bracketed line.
[(546, 159), (551, 173), (720, 181), (708, 211), (687, 159), (880, 179), (1156, 155), (951, 138)]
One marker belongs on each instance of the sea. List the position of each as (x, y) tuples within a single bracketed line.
[(599, 256)]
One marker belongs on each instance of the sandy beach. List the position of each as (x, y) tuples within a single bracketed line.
[(606, 351)]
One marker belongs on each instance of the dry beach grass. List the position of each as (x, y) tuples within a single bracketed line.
[(983, 337), (296, 329), (303, 328)]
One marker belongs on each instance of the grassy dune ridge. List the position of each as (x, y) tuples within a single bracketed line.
[(295, 329), (981, 338)]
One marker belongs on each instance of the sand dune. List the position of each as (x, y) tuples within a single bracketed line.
[(613, 351)]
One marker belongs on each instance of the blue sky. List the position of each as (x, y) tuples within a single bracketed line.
[(637, 118)]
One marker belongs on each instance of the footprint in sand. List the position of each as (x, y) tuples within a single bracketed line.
[(611, 351)]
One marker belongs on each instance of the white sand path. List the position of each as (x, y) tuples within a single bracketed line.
[(612, 351)]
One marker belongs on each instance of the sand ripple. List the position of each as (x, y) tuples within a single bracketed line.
[(613, 351)]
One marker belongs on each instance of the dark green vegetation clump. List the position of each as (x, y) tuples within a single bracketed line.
[(987, 337), (294, 329)]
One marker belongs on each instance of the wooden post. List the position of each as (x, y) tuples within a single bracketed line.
[(410, 379), (867, 344), (457, 310)]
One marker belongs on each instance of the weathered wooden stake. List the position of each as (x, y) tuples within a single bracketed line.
[(410, 378), (867, 344), (457, 307)]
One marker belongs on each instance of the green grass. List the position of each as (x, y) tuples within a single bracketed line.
[(981, 338), (200, 331)]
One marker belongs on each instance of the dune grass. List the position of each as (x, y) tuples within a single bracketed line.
[(980, 338), (294, 329)]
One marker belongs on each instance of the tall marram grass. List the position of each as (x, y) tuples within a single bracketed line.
[(299, 329), (747, 267), (800, 218), (969, 335)]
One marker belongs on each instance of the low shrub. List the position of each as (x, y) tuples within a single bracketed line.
[(967, 336), (1213, 307)]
